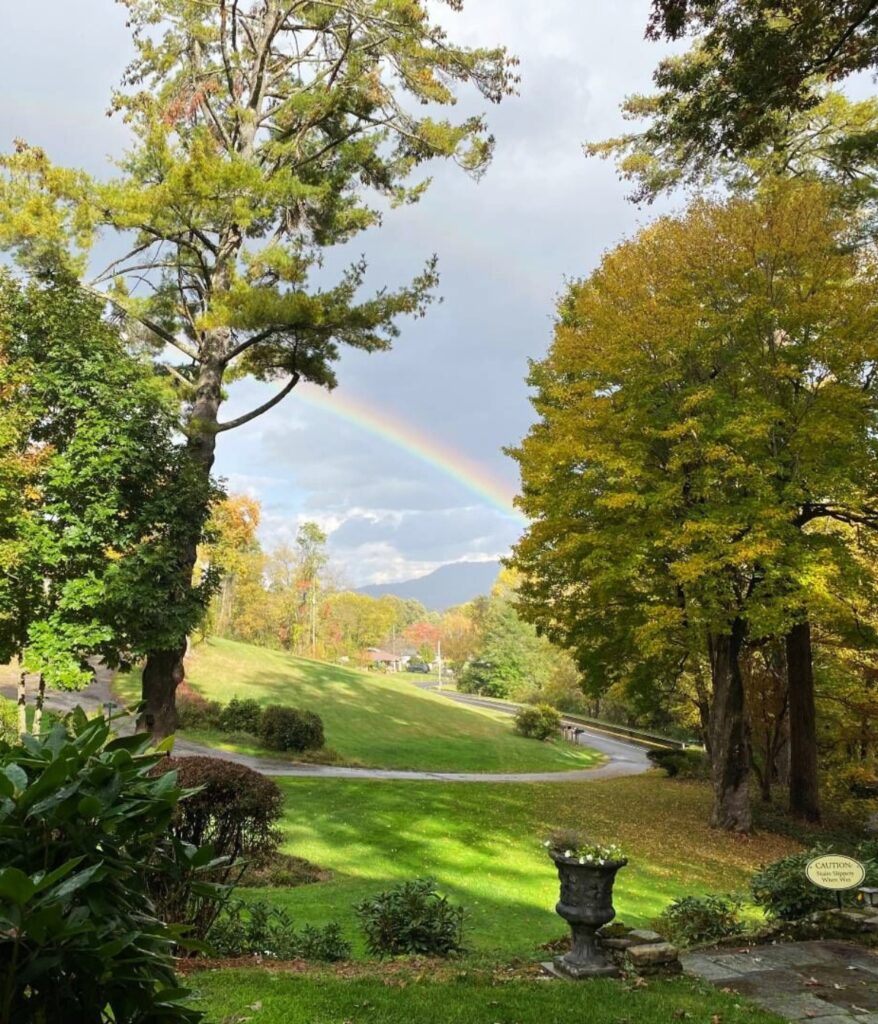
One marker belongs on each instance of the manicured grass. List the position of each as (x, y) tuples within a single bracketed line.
[(325, 999), (481, 842), (374, 720)]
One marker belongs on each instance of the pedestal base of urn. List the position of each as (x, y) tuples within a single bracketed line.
[(557, 968)]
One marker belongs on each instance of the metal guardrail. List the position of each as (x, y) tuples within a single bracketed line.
[(648, 739)]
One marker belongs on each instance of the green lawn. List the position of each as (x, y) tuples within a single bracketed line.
[(268, 998), (481, 842), (374, 720)]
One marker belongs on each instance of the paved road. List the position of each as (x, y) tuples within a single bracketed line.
[(621, 758), (617, 751)]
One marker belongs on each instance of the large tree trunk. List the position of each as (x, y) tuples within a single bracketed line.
[(164, 671), (804, 795), (729, 734), (162, 674)]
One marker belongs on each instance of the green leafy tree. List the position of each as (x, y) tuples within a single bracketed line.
[(312, 560), (751, 98), (756, 62), (108, 491), (511, 659), (263, 134), (705, 407)]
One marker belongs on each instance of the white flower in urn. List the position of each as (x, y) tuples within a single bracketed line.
[(574, 847)]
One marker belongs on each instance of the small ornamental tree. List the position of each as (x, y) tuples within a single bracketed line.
[(264, 132)]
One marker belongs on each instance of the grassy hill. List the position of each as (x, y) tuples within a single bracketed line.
[(373, 720)]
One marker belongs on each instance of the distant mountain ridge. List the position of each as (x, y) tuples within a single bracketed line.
[(443, 588)]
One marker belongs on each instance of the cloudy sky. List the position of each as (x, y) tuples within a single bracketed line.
[(454, 383)]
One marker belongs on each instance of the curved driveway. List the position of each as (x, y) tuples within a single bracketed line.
[(622, 758)]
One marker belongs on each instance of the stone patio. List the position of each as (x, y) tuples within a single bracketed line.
[(820, 982)]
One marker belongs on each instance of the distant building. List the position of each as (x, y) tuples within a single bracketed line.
[(377, 657)]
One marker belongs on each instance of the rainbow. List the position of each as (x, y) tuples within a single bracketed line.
[(388, 427)]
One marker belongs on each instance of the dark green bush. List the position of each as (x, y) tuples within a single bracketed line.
[(250, 928), (683, 764), (783, 889), (411, 918), (785, 892), (80, 816), (699, 920), (537, 721), (232, 809), (241, 716), (283, 728)]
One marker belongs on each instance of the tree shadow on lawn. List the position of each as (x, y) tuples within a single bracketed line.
[(482, 843)]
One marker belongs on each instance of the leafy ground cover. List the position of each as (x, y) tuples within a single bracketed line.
[(374, 720), (481, 842), (467, 998)]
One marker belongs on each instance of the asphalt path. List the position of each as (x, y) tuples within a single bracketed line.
[(620, 757)]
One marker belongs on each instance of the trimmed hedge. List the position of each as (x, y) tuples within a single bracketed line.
[(241, 715), (683, 764), (283, 728)]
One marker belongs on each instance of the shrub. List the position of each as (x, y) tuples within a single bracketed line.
[(195, 711), (785, 892), (283, 728), (411, 918), (699, 920), (79, 938), (244, 929), (241, 716), (683, 764), (537, 721), (234, 810)]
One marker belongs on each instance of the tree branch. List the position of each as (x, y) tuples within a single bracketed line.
[(254, 339), (259, 410), (150, 325)]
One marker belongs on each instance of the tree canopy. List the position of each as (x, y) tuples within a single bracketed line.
[(706, 433), (750, 96), (94, 486)]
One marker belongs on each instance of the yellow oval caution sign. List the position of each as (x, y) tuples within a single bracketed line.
[(834, 871)]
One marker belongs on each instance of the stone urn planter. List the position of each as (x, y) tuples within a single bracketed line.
[(586, 904)]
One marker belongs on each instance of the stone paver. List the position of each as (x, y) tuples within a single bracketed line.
[(821, 982)]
